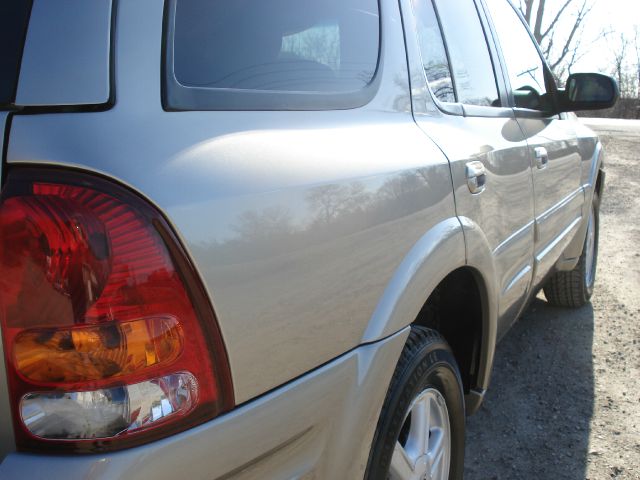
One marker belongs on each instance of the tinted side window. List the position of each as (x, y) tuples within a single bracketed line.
[(434, 55), (14, 16), (524, 65), (276, 45), (469, 54)]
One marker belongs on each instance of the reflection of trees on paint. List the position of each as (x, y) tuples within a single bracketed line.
[(351, 205), (328, 202), (400, 187), (333, 211), (269, 223)]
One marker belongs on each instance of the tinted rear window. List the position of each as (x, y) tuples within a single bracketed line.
[(303, 46), (291, 45), (14, 16)]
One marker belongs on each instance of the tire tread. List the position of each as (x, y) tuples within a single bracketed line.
[(566, 289)]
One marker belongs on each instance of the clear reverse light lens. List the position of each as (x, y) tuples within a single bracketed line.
[(108, 412)]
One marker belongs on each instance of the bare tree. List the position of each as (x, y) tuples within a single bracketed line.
[(620, 64), (271, 222), (636, 41), (332, 201), (625, 67), (557, 26)]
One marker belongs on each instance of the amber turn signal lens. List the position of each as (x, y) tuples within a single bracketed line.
[(97, 352)]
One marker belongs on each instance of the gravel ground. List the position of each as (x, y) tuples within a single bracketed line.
[(565, 396)]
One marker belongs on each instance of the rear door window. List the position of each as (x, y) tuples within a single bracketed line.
[(433, 52), (14, 17), (300, 47), (473, 72)]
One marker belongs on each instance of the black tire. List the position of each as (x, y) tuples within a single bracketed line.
[(425, 363), (571, 289)]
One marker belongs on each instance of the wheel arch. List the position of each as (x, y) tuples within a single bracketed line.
[(457, 309), (450, 260), (437, 253)]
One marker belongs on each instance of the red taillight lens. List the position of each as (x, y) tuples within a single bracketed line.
[(109, 337)]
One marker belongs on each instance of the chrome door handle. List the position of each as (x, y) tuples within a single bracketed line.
[(476, 177), (542, 157)]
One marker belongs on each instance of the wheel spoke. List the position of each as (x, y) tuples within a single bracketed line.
[(401, 465), (436, 453), (419, 431), (424, 452)]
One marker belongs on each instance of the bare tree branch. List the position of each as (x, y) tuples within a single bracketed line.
[(622, 69), (553, 23), (636, 40), (548, 48), (582, 13), (528, 10), (547, 22), (538, 25)]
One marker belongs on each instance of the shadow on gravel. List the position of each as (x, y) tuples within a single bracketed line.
[(534, 423)]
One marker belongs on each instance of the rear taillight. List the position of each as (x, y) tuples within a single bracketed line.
[(109, 338)]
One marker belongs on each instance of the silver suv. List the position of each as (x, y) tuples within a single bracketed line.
[(275, 238)]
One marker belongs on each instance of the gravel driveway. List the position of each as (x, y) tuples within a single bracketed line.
[(565, 396)]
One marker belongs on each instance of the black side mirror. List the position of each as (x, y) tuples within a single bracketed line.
[(588, 91)]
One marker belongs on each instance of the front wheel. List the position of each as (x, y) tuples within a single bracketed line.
[(574, 288), (420, 434)]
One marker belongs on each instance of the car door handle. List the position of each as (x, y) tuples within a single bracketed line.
[(542, 157), (476, 177)]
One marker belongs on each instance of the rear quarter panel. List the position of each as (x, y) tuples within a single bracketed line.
[(296, 221)]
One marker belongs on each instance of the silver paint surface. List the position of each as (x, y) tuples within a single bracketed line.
[(319, 426), (477, 253), (315, 232), (593, 159), (498, 221), (297, 221), (504, 210), (558, 191)]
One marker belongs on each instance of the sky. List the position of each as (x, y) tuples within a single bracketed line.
[(621, 16)]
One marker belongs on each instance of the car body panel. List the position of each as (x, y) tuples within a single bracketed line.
[(558, 192), (481, 259), (270, 205), (504, 210), (440, 251), (319, 426), (591, 154), (315, 234), (593, 157), (501, 217)]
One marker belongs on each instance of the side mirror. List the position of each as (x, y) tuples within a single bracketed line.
[(588, 91)]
